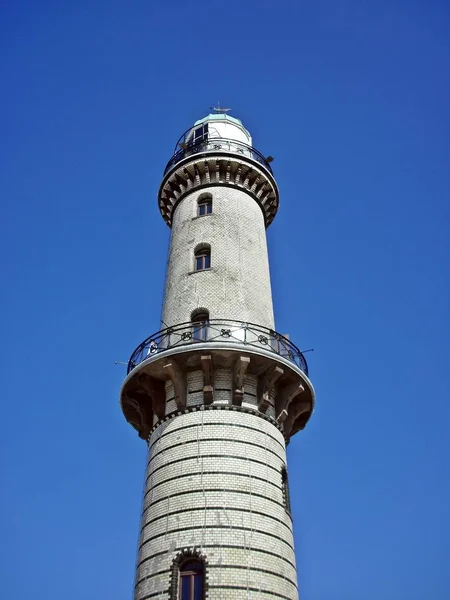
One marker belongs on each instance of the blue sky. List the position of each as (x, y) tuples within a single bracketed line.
[(351, 98)]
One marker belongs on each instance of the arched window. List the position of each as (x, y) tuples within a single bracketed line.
[(189, 577), (204, 205), (191, 580), (202, 257), (200, 320)]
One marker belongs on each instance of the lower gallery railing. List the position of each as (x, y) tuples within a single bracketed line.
[(218, 331)]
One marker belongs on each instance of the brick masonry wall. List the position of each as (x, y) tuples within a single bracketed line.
[(213, 482), (238, 284), (214, 477)]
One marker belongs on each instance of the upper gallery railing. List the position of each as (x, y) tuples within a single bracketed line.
[(217, 145), (218, 331)]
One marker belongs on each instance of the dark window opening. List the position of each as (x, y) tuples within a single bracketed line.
[(200, 326), (203, 259), (191, 581), (285, 486), (200, 134), (204, 205)]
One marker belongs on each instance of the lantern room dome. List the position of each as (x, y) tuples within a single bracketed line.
[(216, 126)]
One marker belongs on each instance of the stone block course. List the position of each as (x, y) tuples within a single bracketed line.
[(214, 481)]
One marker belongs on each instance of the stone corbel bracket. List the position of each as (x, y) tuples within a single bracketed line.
[(239, 369), (136, 413), (155, 389), (208, 378), (178, 377), (143, 399), (266, 387), (293, 406)]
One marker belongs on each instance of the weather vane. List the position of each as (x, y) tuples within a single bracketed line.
[(219, 109)]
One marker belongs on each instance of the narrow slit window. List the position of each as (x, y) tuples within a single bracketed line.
[(285, 487)]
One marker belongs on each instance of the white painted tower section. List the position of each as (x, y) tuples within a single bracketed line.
[(238, 282), (217, 400)]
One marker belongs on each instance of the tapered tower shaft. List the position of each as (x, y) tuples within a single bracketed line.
[(217, 392)]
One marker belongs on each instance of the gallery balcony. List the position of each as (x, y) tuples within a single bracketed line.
[(218, 333), (265, 373), (217, 146)]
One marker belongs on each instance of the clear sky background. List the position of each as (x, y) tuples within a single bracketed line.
[(352, 99)]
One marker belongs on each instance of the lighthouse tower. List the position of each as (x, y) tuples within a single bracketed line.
[(218, 392)]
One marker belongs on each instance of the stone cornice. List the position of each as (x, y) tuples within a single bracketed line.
[(209, 170)]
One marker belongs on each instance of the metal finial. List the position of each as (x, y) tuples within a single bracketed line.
[(219, 109)]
